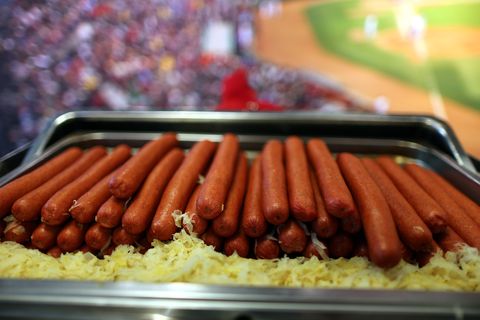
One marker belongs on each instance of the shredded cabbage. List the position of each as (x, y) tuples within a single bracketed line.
[(188, 259)]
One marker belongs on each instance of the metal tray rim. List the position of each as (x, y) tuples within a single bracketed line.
[(441, 126)]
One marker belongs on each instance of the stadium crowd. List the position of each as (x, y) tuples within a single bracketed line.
[(61, 55)]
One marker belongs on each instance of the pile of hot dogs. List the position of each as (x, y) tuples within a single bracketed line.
[(294, 199)]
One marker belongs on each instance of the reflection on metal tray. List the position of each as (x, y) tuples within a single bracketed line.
[(11, 160), (129, 300), (425, 130), (368, 136)]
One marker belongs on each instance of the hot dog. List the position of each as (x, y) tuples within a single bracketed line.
[(44, 236), (3, 224), (55, 252), (226, 224), (384, 246), (17, 188), (299, 186), (19, 231), (407, 254), (266, 247), (360, 248), (86, 207), (214, 191), (274, 194), (29, 206), (121, 236), (317, 249), (55, 211), (86, 249), (324, 224), (424, 257), (98, 237), (456, 217), (71, 237), (212, 239), (468, 205), (411, 229), (340, 245), (253, 220), (352, 224), (180, 188), (311, 251), (138, 216), (108, 251), (237, 243), (143, 245), (292, 237), (197, 225), (124, 184), (428, 210), (149, 237), (111, 212), (450, 240), (336, 196)]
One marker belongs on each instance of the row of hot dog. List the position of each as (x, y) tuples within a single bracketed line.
[(295, 198)]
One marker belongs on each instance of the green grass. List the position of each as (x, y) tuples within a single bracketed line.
[(464, 14), (458, 79)]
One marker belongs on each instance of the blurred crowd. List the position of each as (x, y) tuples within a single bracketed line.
[(60, 55)]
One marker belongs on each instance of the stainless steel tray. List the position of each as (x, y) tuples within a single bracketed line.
[(130, 300), (426, 130), (13, 159), (419, 139)]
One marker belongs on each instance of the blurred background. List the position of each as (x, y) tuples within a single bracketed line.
[(383, 56)]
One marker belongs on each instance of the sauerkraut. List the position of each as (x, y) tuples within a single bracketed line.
[(188, 259)]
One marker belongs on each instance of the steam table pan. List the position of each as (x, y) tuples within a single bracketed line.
[(421, 139)]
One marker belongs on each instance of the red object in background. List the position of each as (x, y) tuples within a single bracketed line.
[(101, 10), (98, 101), (237, 95)]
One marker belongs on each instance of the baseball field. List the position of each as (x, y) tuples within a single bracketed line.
[(410, 76), (434, 45)]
